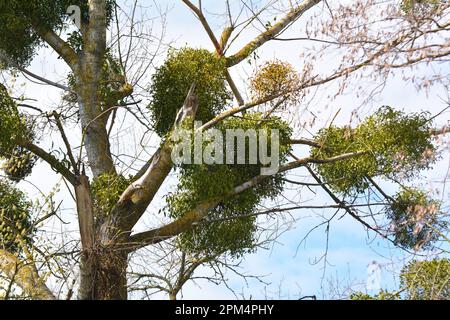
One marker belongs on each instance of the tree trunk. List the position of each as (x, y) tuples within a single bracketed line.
[(93, 122), (110, 281), (102, 266), (103, 262)]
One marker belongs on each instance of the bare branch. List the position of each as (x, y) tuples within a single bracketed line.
[(194, 216), (66, 141), (50, 159), (60, 46), (10, 62), (272, 32)]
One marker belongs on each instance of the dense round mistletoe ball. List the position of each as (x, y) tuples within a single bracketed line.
[(17, 162), (200, 182), (15, 218), (397, 145), (171, 83), (416, 219), (426, 280)]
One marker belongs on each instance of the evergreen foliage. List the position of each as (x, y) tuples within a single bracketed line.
[(171, 83), (203, 182), (398, 146)]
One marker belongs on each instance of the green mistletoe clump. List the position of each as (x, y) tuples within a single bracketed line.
[(232, 218), (396, 145), (171, 83), (17, 162), (15, 218)]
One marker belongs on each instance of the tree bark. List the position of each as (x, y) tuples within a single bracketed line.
[(102, 267), (172, 296), (110, 281), (24, 274), (104, 258), (85, 209), (93, 118)]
